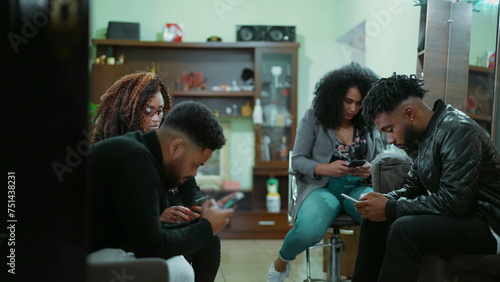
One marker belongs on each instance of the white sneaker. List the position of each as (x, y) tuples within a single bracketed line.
[(276, 276)]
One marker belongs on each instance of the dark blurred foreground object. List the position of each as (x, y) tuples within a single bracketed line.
[(44, 51)]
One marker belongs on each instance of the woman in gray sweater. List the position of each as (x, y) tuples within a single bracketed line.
[(331, 134)]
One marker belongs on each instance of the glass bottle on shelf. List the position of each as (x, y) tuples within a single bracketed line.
[(257, 112), (283, 149)]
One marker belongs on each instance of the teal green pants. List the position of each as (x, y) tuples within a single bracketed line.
[(318, 211)]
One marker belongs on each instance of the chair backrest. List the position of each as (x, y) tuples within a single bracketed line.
[(292, 189), (111, 264), (389, 171)]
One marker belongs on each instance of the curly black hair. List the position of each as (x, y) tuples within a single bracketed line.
[(121, 106), (197, 122), (332, 88), (388, 93)]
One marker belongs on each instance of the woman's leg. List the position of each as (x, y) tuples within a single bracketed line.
[(179, 269), (349, 185), (348, 205), (314, 217), (206, 261)]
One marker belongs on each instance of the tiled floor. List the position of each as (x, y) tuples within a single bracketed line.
[(249, 261)]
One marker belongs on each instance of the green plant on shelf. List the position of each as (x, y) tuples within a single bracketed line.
[(93, 110)]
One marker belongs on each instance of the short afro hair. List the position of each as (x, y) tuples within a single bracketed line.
[(388, 93), (198, 123), (331, 90)]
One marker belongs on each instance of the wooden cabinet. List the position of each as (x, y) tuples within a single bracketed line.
[(443, 60), (256, 224), (275, 84), (103, 76), (219, 63)]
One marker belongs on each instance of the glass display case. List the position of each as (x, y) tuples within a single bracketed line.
[(277, 93)]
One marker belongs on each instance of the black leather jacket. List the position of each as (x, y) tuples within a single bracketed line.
[(456, 172)]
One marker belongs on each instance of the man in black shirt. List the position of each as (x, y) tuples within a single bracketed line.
[(130, 175)]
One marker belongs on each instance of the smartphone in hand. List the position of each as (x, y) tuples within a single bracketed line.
[(349, 198), (199, 202), (233, 201), (356, 163)]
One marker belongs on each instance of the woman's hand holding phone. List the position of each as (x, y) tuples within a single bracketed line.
[(356, 163)]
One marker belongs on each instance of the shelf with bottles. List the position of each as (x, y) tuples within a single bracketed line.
[(480, 95), (227, 106), (277, 85), (214, 94), (274, 134)]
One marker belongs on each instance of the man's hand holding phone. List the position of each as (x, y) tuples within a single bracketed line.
[(218, 218), (349, 197), (372, 206)]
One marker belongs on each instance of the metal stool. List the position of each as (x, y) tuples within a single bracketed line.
[(336, 246)]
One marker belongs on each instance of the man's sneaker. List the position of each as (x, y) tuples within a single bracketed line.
[(275, 276)]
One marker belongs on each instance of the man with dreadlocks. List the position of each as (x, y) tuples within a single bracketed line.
[(450, 201)]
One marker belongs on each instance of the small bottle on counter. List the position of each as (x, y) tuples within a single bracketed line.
[(273, 199)]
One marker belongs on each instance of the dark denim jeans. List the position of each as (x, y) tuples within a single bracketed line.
[(393, 251)]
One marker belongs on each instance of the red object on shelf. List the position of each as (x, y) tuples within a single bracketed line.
[(172, 32), (491, 61)]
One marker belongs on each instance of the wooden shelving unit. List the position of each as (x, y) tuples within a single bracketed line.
[(481, 69), (212, 94), (221, 63), (445, 29)]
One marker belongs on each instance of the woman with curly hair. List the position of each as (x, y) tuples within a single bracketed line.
[(137, 101), (331, 134), (141, 101)]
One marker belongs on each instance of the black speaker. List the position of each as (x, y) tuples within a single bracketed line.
[(280, 33), (123, 30), (250, 33), (265, 33)]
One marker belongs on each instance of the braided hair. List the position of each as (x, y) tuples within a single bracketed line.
[(388, 93), (121, 106)]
